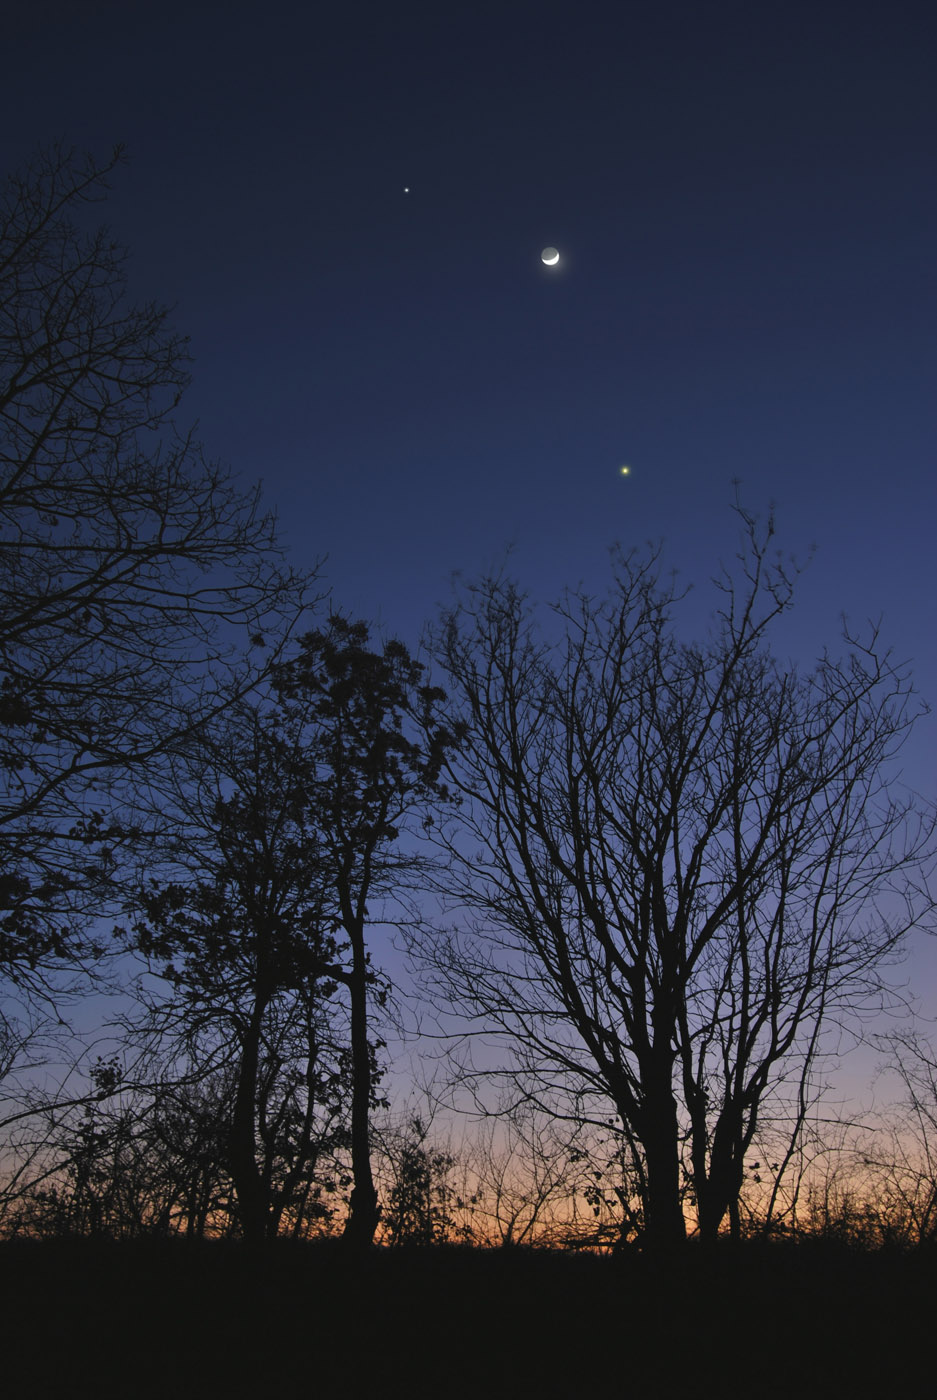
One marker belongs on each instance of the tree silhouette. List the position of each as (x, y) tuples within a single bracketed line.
[(376, 739), (132, 570), (419, 1205), (280, 823), (685, 860), (900, 1162), (241, 927)]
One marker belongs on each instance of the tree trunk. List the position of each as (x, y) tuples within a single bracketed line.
[(248, 1186), (363, 1214), (658, 1129), (664, 1224), (713, 1201), (718, 1190)]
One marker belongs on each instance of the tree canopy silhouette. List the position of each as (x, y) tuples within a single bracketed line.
[(132, 569), (282, 824), (684, 860), (378, 739), (235, 914)]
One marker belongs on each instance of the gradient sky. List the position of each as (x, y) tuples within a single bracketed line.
[(745, 201)]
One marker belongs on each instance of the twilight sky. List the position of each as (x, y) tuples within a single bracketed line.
[(745, 202)]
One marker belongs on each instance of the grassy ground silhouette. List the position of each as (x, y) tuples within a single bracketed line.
[(178, 1319)]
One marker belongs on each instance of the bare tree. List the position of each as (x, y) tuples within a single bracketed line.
[(124, 1158), (535, 1180), (421, 1198), (685, 860), (132, 570), (900, 1154)]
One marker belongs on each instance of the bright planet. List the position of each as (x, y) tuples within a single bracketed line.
[(550, 256)]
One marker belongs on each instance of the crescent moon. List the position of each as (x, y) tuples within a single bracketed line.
[(550, 256)]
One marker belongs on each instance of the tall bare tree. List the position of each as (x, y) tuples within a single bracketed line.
[(132, 570), (684, 861)]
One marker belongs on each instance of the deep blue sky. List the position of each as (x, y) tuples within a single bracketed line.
[(745, 200)]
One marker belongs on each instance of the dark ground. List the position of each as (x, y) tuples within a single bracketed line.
[(216, 1320)]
